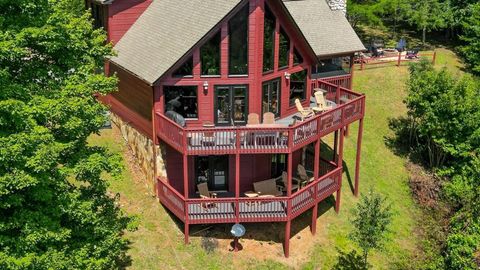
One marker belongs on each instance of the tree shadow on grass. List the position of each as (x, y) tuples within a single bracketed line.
[(400, 143)]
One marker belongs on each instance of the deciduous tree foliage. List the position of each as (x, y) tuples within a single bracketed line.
[(371, 219), (471, 37), (444, 124), (54, 209)]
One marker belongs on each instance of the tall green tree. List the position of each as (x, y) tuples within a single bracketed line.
[(426, 15), (471, 36), (55, 212), (371, 221), (443, 115)]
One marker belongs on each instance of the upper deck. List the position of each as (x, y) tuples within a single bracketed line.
[(286, 136)]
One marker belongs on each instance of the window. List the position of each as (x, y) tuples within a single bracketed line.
[(185, 70), (212, 170), (182, 100), (334, 64), (210, 56), (271, 97), (284, 50), (279, 164), (268, 40), (297, 57), (99, 14), (238, 43), (298, 86)]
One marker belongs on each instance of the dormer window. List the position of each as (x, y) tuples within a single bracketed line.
[(99, 13)]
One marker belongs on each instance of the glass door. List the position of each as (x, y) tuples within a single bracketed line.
[(271, 97), (231, 105), (212, 170)]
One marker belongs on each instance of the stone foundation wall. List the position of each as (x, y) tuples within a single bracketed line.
[(338, 5), (142, 148)]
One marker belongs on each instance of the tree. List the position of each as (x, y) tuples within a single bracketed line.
[(471, 36), (443, 115), (55, 212), (371, 219), (364, 11), (426, 15)]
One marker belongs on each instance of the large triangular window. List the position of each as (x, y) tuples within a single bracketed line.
[(283, 50), (238, 43), (268, 40), (297, 57), (210, 56), (186, 70)]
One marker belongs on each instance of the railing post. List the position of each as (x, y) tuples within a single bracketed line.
[(337, 98)]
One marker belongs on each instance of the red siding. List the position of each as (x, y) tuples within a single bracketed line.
[(174, 168), (122, 15), (255, 76)]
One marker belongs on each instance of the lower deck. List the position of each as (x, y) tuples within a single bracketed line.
[(244, 209)]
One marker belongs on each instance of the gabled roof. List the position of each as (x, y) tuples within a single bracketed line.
[(328, 32), (165, 32), (169, 29)]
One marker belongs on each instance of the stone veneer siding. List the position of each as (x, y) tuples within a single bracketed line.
[(142, 148), (338, 5)]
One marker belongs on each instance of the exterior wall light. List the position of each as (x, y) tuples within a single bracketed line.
[(287, 76), (205, 87)]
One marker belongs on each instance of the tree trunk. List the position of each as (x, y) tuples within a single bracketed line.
[(424, 36)]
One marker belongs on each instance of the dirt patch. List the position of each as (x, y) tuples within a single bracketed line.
[(425, 186)]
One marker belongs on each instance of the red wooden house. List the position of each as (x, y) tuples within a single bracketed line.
[(193, 77)]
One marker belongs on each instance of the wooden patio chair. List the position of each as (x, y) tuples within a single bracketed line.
[(269, 118), (304, 112), (295, 182), (306, 177), (206, 194), (253, 119), (321, 102), (208, 138)]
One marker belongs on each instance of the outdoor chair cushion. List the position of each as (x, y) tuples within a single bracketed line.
[(176, 117), (267, 187)]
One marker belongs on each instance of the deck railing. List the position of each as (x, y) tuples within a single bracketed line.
[(171, 199), (260, 209), (344, 81), (245, 140)]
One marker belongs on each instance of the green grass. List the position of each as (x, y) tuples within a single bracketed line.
[(158, 242)]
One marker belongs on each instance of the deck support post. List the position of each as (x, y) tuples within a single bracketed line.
[(316, 175), (289, 173), (340, 164), (186, 232), (286, 247), (185, 194), (335, 146), (357, 161), (237, 187)]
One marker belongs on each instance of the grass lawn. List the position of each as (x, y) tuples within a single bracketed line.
[(158, 242)]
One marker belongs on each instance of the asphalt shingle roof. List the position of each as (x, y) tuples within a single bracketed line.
[(165, 32), (168, 29), (328, 32)]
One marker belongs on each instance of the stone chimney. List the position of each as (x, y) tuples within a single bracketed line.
[(338, 5)]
